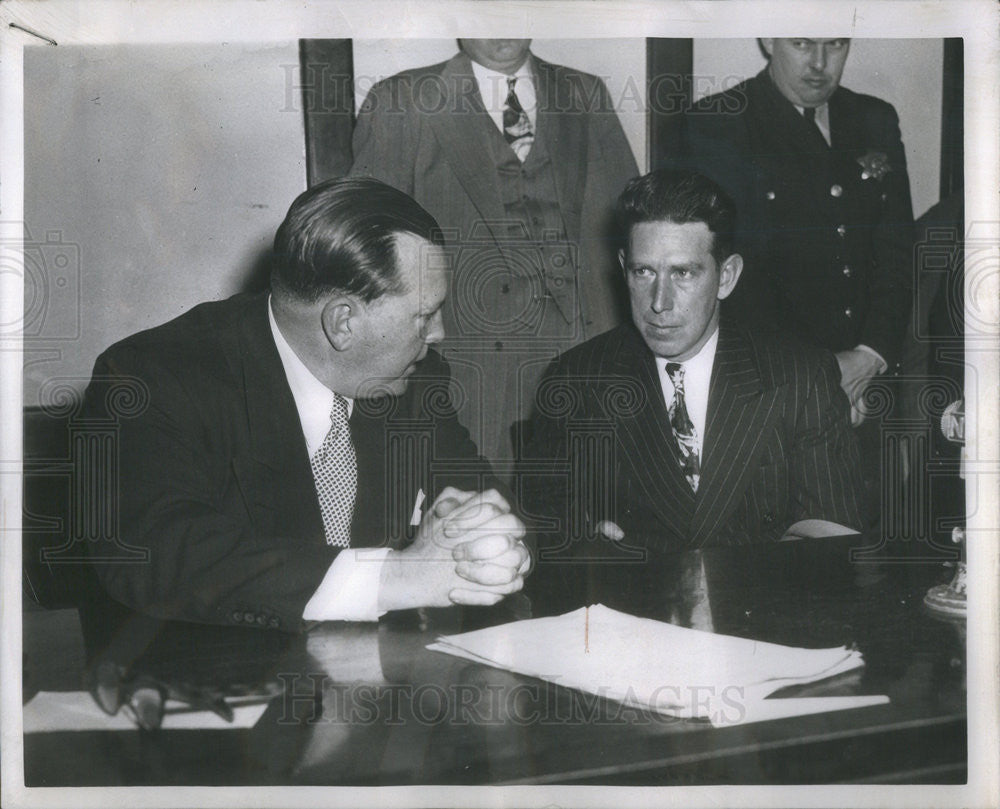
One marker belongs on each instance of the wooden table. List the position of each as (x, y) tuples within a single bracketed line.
[(369, 705)]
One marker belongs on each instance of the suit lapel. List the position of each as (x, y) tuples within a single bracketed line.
[(277, 473), (563, 133), (461, 125), (738, 412), (647, 438)]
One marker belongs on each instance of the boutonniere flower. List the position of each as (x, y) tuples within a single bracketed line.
[(874, 165)]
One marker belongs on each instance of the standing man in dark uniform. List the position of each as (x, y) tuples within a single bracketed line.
[(818, 173), (521, 161)]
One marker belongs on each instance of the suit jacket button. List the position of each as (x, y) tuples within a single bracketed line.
[(836, 191), (847, 271), (768, 518), (847, 312), (769, 195), (841, 230)]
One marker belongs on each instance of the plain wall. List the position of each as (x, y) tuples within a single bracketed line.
[(620, 62), (904, 72), (155, 177)]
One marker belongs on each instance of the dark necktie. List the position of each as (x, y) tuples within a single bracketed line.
[(516, 126), (335, 471), (809, 113), (684, 432)]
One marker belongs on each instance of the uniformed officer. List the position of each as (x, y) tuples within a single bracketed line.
[(818, 173)]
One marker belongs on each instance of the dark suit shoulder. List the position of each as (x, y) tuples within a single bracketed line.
[(596, 354), (198, 350), (782, 359)]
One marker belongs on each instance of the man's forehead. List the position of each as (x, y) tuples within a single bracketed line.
[(421, 263)]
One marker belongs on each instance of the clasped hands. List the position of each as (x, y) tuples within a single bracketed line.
[(857, 369), (468, 550)]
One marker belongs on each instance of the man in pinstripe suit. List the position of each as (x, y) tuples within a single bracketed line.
[(674, 432)]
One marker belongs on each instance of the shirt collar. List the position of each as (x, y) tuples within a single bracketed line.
[(313, 399), (704, 358), (493, 87)]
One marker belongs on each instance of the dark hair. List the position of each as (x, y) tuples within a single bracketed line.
[(678, 196), (340, 236)]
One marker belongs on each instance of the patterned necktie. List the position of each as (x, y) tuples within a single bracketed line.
[(335, 471), (809, 113), (516, 126), (684, 432)]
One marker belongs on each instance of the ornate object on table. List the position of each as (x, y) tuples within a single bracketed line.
[(949, 599)]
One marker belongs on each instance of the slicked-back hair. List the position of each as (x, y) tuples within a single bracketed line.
[(679, 196), (340, 236)]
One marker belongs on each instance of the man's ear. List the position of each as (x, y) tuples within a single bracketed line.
[(767, 45), (621, 259), (729, 274), (336, 319)]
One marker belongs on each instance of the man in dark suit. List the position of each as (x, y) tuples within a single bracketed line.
[(672, 432), (520, 161), (294, 456), (819, 177)]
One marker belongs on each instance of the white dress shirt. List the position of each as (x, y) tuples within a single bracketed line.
[(493, 91), (822, 120), (349, 591), (697, 380)]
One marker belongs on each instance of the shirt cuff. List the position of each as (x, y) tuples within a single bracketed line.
[(881, 360), (349, 591)]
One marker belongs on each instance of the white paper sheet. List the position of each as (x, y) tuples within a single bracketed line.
[(50, 711), (654, 665)]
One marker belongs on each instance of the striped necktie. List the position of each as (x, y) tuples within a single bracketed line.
[(335, 472), (516, 126), (684, 432)]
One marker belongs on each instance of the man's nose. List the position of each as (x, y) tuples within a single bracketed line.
[(817, 58), (663, 296), (435, 329)]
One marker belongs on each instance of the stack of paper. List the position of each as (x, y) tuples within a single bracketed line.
[(658, 666)]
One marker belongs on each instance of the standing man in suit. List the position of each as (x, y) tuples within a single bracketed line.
[(520, 161), (293, 456), (818, 173), (672, 431)]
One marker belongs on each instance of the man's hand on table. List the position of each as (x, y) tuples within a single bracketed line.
[(857, 369), (468, 550)]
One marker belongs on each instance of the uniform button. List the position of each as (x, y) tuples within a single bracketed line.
[(261, 620), (884, 196), (248, 617), (769, 195), (273, 623), (836, 191), (768, 518), (847, 312), (498, 345), (841, 230), (847, 271), (237, 616), (505, 289)]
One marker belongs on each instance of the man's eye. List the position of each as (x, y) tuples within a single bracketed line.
[(642, 272), (801, 44)]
